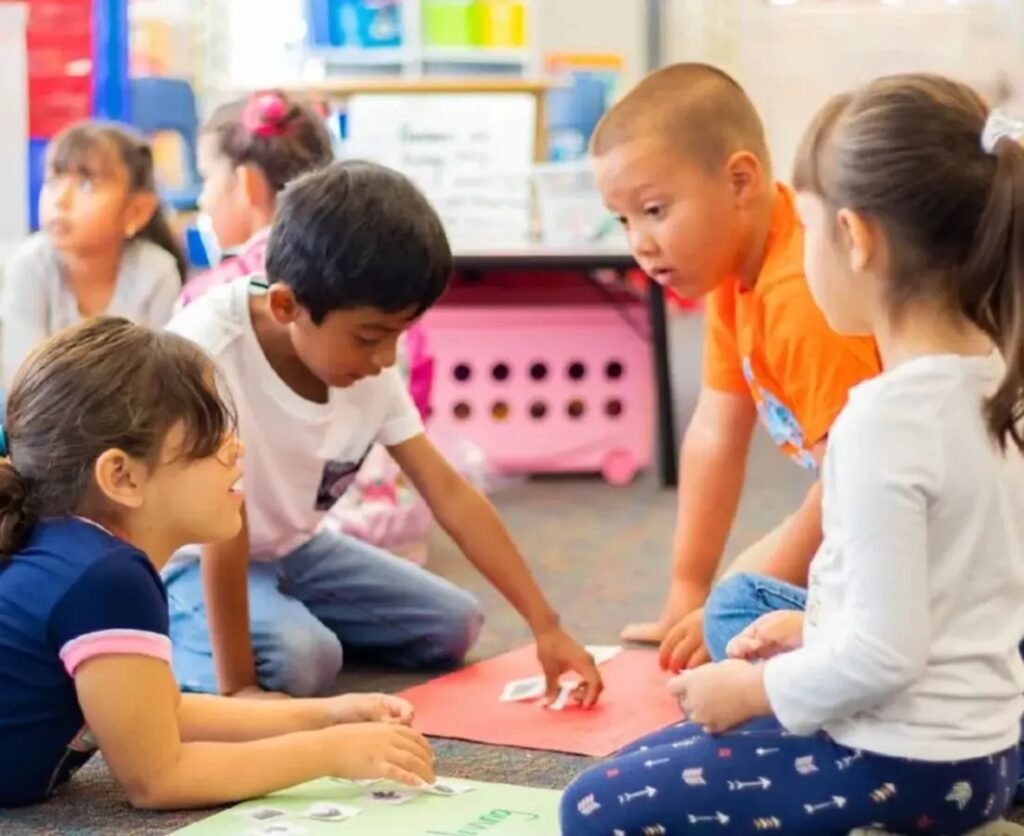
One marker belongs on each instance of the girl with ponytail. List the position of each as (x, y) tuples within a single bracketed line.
[(897, 694), (117, 450)]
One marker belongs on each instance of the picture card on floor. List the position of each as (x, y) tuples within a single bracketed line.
[(448, 808), (635, 702)]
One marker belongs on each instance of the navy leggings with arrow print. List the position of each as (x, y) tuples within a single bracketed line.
[(759, 779)]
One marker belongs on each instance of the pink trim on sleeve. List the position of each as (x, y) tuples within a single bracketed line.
[(114, 642)]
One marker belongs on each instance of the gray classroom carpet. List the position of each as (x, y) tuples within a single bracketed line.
[(600, 552)]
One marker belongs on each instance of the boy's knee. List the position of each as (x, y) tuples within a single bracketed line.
[(454, 632), (730, 595), (727, 610), (300, 662)]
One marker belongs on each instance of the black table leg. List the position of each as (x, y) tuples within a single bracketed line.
[(667, 457)]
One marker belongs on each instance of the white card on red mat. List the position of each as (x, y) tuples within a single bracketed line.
[(523, 689)]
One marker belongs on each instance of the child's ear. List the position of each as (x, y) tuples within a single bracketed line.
[(141, 208), (254, 184), (746, 176), (859, 237), (120, 478), (281, 303)]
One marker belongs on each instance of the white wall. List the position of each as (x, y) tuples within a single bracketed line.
[(14, 136), (792, 58), (595, 26)]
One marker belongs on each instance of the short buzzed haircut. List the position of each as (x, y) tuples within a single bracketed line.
[(696, 109)]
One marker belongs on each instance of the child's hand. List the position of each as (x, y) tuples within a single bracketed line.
[(371, 708), (559, 652), (683, 646), (684, 597), (722, 696), (382, 750), (772, 634)]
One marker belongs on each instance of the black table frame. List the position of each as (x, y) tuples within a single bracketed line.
[(586, 262)]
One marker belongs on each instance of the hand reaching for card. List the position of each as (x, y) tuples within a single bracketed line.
[(558, 653), (371, 708), (382, 750), (772, 634)]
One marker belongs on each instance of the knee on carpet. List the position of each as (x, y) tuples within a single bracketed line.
[(453, 632), (300, 662)]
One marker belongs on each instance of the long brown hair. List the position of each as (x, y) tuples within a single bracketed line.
[(75, 149), (282, 137), (907, 151), (103, 384)]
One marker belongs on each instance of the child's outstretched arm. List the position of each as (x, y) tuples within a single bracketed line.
[(713, 464), (209, 717), (225, 572), (132, 706), (472, 522)]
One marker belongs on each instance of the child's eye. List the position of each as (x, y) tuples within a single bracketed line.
[(654, 210), (366, 342), (623, 220), (87, 185)]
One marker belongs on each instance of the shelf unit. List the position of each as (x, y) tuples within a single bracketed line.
[(416, 58)]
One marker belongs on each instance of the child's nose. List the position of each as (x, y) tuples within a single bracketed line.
[(65, 193), (385, 358), (642, 242)]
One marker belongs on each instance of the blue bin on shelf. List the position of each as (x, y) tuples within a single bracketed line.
[(36, 173), (358, 24)]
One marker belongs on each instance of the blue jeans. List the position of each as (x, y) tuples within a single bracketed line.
[(758, 778), (743, 598), (331, 592)]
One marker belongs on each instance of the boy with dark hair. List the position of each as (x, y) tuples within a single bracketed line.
[(307, 353)]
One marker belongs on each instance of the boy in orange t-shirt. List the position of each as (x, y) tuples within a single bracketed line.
[(682, 160)]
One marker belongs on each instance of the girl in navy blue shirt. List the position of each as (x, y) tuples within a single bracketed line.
[(117, 451)]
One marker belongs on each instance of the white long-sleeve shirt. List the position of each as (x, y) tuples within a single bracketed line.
[(916, 598)]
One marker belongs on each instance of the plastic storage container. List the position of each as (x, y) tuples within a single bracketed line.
[(569, 206), (452, 23), (358, 24), (545, 389), (503, 23)]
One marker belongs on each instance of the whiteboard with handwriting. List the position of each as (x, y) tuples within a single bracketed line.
[(470, 153)]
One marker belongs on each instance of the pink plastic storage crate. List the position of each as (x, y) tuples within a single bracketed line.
[(552, 389)]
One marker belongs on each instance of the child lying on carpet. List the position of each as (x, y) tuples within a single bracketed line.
[(895, 701), (118, 451)]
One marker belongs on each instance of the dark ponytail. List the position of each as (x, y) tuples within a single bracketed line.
[(159, 231), (912, 152), (993, 285), (17, 514)]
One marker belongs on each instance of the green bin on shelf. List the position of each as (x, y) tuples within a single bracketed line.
[(452, 23)]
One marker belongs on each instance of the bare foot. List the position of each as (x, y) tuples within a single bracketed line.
[(647, 632)]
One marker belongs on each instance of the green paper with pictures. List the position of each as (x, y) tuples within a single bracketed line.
[(329, 806)]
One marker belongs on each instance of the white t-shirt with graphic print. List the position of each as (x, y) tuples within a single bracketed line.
[(300, 456)]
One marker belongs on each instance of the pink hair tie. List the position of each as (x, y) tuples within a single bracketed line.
[(265, 114)]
